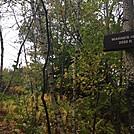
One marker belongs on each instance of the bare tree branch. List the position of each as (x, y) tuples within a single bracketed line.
[(17, 61)]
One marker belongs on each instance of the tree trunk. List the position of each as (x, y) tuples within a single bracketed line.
[(2, 56), (48, 66), (74, 95), (129, 62)]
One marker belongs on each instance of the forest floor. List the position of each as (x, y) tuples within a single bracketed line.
[(5, 127)]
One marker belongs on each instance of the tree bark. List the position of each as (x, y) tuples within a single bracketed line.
[(2, 57), (49, 67), (74, 95), (129, 62)]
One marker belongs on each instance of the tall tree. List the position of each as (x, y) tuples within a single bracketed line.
[(129, 62), (2, 57), (48, 66)]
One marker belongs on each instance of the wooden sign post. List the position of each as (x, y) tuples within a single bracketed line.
[(125, 41), (128, 16)]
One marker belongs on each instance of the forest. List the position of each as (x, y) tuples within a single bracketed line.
[(67, 83)]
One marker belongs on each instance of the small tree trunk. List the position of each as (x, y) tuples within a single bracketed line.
[(49, 67), (129, 62), (74, 96), (2, 57)]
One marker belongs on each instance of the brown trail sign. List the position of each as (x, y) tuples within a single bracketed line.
[(119, 41)]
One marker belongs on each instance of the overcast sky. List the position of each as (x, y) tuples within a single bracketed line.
[(10, 35)]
